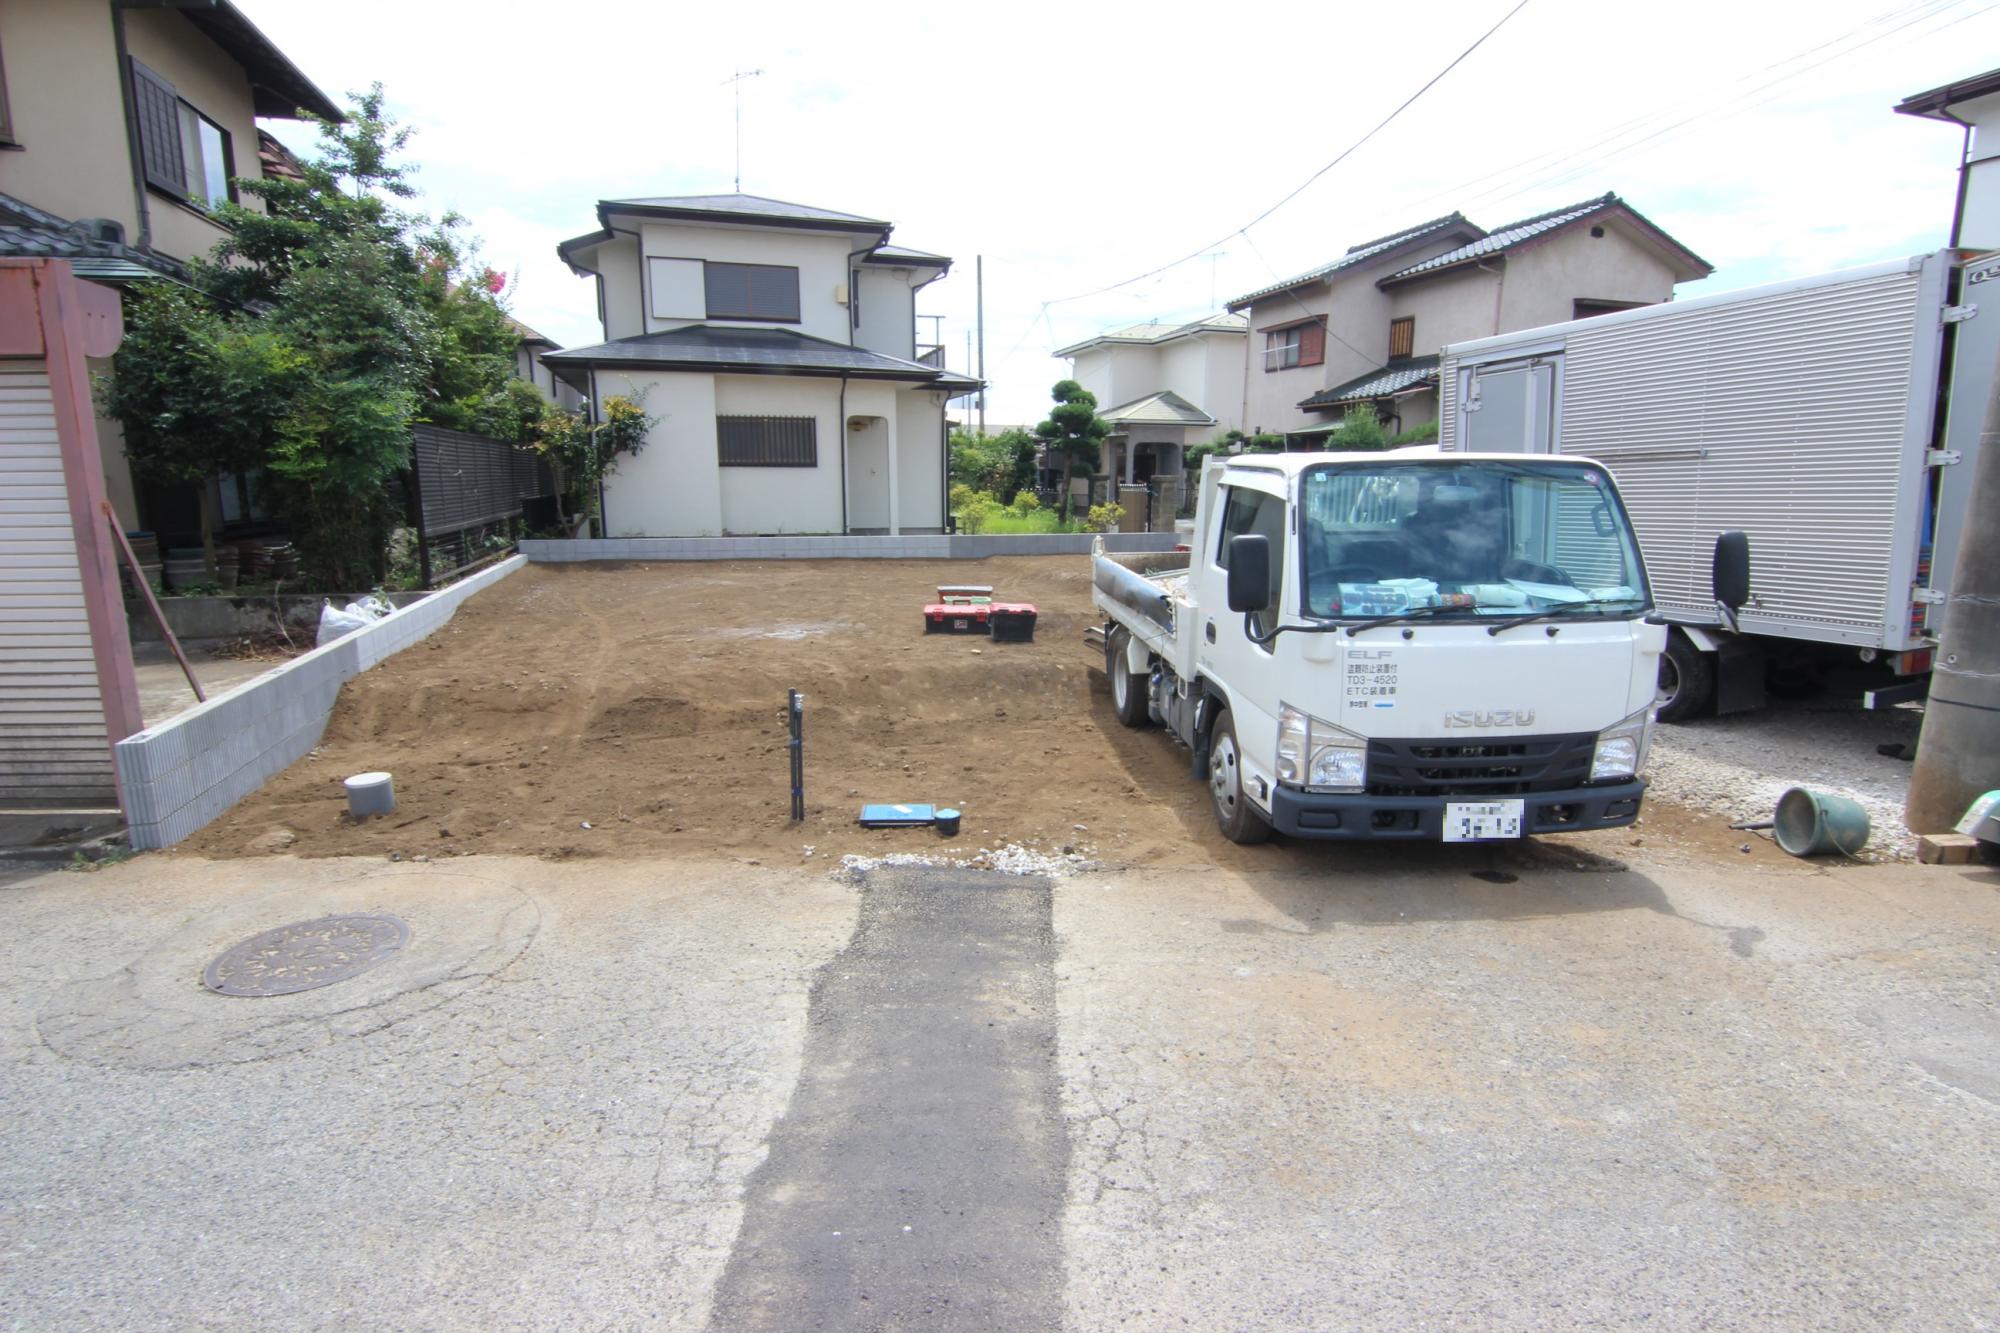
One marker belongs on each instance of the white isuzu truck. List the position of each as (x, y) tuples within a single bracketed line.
[(1833, 419), (1403, 645)]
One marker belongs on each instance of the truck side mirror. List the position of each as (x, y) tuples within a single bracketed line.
[(1249, 572), (1731, 574)]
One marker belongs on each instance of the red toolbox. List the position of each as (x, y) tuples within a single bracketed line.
[(956, 617)]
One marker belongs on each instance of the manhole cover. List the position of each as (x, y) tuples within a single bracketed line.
[(305, 956)]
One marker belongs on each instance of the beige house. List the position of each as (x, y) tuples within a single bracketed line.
[(1162, 387), (1367, 327), (775, 346), (121, 127)]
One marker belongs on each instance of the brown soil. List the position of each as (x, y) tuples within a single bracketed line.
[(647, 702)]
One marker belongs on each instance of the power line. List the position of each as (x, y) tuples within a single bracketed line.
[(1346, 153)]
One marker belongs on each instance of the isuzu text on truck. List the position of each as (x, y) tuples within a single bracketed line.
[(1402, 645)]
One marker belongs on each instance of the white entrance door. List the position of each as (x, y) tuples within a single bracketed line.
[(868, 474)]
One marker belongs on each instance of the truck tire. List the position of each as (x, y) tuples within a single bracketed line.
[(1687, 679), (1234, 815), (1128, 692)]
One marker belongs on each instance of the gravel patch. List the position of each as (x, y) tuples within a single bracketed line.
[(1009, 859), (1739, 766)]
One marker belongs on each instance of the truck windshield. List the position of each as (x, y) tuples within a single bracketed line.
[(1472, 538)]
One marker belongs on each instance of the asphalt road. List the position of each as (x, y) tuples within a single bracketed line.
[(1430, 1088)]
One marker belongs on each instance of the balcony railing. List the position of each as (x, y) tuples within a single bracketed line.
[(930, 354)]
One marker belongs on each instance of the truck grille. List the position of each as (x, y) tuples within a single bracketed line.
[(1491, 766)]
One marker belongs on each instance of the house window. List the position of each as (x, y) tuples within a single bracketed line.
[(205, 150), (1297, 345), (181, 152), (1584, 309), (753, 291), (767, 441), (1403, 337)]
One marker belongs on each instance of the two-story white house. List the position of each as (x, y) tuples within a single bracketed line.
[(774, 345), (1367, 327), (1162, 386)]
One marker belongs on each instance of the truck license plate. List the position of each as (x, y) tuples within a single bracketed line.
[(1479, 821)]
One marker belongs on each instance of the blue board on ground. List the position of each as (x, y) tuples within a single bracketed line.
[(896, 816)]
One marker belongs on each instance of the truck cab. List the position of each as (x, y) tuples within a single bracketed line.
[(1400, 645)]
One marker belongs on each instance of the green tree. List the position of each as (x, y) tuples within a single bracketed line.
[(1359, 429), (1000, 465), (1073, 432), (395, 321), (196, 395)]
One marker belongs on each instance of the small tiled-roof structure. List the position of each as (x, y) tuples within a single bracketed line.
[(1362, 253), (1500, 239), (278, 161), (35, 233), (751, 351), (1165, 408), (1396, 377)]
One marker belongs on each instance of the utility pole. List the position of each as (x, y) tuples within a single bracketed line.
[(736, 80), (979, 296), (1958, 751)]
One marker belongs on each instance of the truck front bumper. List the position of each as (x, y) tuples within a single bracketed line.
[(1302, 814)]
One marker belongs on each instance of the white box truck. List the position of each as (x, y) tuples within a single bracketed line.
[(1833, 419), (1405, 645)]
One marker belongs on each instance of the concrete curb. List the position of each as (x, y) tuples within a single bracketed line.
[(930, 547), (185, 773)]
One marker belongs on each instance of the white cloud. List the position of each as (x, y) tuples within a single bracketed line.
[(1075, 146)]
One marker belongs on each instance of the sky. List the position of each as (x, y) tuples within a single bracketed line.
[(1076, 147)]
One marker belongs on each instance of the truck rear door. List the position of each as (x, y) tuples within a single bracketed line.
[(1509, 407)]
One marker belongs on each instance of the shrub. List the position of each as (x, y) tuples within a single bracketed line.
[(1103, 518), (1025, 502)]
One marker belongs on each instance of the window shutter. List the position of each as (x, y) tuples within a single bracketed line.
[(157, 108), (774, 292), (1402, 337), (1312, 344)]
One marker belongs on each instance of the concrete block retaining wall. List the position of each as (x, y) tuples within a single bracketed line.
[(186, 772), (932, 547)]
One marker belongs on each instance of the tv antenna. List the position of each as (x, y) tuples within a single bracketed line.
[(736, 81)]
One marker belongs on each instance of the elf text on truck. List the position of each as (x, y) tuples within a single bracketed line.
[(1398, 645)]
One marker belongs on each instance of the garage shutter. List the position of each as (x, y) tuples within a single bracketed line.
[(53, 743)]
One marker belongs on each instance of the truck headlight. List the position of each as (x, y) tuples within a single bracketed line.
[(1319, 756), (1621, 749)]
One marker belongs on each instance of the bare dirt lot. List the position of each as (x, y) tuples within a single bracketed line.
[(637, 709)]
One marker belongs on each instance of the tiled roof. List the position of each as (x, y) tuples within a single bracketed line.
[(746, 206), (1159, 331), (1393, 378), (34, 233), (1359, 254), (753, 350), (1165, 408), (1527, 229)]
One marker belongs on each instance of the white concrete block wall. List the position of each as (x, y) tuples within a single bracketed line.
[(186, 772)]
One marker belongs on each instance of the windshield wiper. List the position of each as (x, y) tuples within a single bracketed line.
[(1557, 612), (1414, 613)]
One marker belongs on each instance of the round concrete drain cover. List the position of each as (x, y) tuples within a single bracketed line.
[(305, 956)]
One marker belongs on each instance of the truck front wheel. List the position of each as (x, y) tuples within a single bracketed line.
[(1128, 692), (1234, 815), (1687, 679)]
